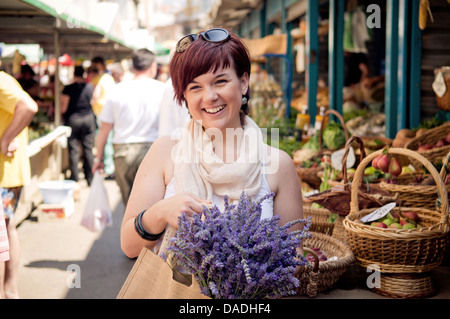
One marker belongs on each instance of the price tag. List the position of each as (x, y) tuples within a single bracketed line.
[(336, 158), (378, 213), (438, 85)]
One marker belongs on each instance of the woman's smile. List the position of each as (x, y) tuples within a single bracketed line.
[(214, 110)]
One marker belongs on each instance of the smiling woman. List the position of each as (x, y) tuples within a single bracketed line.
[(220, 152)]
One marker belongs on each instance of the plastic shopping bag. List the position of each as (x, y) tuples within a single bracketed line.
[(97, 213)]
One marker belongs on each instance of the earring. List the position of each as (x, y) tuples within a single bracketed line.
[(244, 100)]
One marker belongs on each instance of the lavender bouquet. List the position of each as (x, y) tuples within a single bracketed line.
[(236, 254)]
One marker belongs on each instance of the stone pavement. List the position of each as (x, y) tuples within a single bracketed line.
[(54, 250)]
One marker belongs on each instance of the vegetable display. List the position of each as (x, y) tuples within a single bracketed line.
[(236, 254)]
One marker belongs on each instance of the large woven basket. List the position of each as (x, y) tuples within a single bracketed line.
[(431, 136), (416, 195), (321, 276), (399, 250)]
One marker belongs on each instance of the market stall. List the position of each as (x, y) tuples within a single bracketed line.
[(63, 30)]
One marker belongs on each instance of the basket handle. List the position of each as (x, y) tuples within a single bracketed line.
[(445, 168), (316, 258), (347, 151), (341, 119), (357, 178)]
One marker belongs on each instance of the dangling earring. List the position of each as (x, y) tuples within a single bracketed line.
[(244, 100)]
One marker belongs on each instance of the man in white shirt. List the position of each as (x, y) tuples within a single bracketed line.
[(173, 117), (132, 112)]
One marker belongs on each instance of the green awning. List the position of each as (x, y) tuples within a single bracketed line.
[(94, 16)]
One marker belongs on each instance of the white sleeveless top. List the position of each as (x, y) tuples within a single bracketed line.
[(266, 205)]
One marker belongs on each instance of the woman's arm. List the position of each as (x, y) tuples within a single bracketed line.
[(155, 172), (288, 202)]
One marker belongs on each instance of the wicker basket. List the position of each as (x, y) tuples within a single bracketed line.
[(337, 200), (412, 195), (321, 276), (311, 175), (399, 250), (406, 286), (443, 102), (320, 222), (431, 136)]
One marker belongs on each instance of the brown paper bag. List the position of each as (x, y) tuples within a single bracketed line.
[(152, 278)]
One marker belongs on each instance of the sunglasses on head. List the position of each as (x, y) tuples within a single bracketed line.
[(213, 35)]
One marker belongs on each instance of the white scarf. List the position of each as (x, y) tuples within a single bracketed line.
[(200, 171)]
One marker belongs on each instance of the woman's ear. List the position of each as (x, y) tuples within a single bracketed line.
[(244, 83)]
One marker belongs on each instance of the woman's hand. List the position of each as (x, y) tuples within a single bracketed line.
[(174, 206)]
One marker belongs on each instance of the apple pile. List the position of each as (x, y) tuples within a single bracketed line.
[(442, 142), (319, 253), (397, 220)]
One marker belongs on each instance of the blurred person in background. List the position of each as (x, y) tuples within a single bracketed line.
[(78, 114), (131, 112), (172, 116), (17, 109), (103, 83)]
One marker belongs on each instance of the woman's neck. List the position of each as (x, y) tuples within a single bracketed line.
[(227, 143)]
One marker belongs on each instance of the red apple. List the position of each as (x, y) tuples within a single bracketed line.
[(381, 225), (411, 216), (394, 214)]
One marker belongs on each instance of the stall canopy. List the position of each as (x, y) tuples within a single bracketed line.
[(82, 28)]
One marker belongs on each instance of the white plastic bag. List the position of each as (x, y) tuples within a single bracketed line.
[(97, 213)]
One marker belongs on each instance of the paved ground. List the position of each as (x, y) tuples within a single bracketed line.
[(54, 250)]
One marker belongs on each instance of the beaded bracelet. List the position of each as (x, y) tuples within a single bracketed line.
[(142, 232)]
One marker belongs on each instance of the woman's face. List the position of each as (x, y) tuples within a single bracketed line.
[(215, 98)]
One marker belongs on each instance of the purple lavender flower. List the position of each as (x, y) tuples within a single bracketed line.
[(236, 254)]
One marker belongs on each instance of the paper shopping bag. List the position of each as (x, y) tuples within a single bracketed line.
[(152, 278)]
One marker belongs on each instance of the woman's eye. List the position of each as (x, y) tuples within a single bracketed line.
[(194, 87)]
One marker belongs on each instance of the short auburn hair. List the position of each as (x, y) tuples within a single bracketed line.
[(202, 57)]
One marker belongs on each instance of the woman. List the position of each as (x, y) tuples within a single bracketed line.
[(219, 153)]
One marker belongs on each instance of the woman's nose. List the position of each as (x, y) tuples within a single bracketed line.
[(210, 94)]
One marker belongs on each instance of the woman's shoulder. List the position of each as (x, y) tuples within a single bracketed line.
[(278, 159), (164, 144), (159, 157)]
